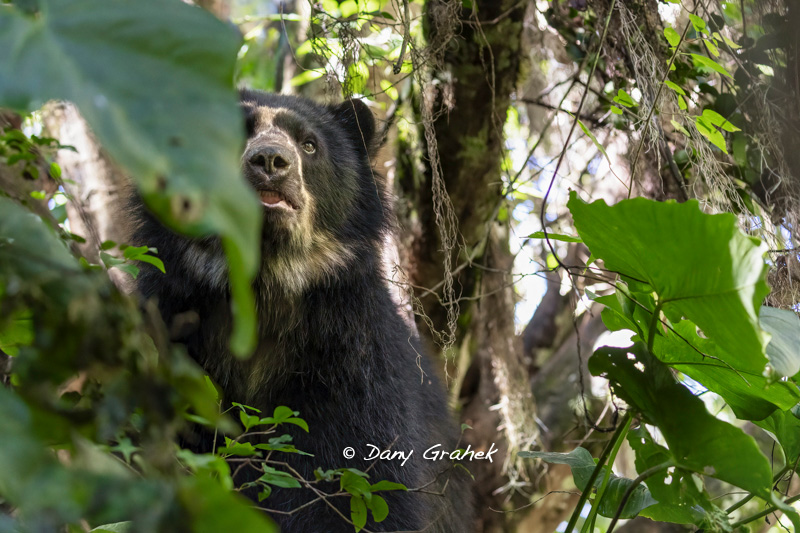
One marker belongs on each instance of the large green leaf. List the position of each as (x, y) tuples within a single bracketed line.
[(582, 464), (698, 441), (741, 383), (701, 266), (154, 80), (680, 501)]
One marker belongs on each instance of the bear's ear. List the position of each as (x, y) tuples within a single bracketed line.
[(359, 123)]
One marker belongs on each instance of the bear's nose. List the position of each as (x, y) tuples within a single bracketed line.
[(273, 160)]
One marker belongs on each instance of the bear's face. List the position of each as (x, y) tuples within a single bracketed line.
[(310, 165)]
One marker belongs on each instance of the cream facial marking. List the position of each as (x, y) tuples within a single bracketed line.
[(267, 131)]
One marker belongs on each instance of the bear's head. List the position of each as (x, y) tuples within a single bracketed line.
[(324, 206)]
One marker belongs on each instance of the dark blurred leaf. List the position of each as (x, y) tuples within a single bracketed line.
[(697, 440), (170, 116)]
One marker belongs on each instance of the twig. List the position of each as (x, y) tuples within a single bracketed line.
[(406, 36)]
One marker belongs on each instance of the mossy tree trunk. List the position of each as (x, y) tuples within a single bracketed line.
[(477, 58)]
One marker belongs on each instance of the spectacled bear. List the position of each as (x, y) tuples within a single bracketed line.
[(332, 344)]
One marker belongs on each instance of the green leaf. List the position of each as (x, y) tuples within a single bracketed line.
[(623, 98), (170, 116), (212, 508), (699, 441), (784, 427), (141, 253), (675, 87), (740, 382), (616, 110), (707, 129), (706, 62), (554, 237), (701, 266), (245, 407), (712, 48), (783, 350), (582, 464), (55, 171), (243, 449), (673, 37), (698, 24), (386, 485), (679, 127), (279, 478), (284, 415), (358, 512), (730, 43), (16, 331), (379, 508), (354, 484), (679, 500), (248, 421), (718, 120)]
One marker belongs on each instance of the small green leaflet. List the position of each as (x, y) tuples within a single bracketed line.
[(678, 127), (140, 253), (712, 47), (707, 129), (698, 23), (728, 41), (675, 87), (623, 98), (554, 237), (706, 62), (673, 37), (718, 120)]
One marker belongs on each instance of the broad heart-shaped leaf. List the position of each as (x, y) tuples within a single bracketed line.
[(154, 80), (698, 441), (783, 349), (582, 464), (701, 266), (679, 499), (740, 383)]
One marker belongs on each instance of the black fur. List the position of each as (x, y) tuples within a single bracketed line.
[(332, 344)]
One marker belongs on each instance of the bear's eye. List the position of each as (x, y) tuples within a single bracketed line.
[(309, 147)]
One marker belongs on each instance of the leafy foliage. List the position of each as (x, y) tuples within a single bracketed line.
[(187, 176), (706, 276)]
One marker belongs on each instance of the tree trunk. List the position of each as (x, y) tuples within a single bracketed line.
[(476, 62), (96, 186)]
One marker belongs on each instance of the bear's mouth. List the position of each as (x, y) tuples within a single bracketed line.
[(276, 200)]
